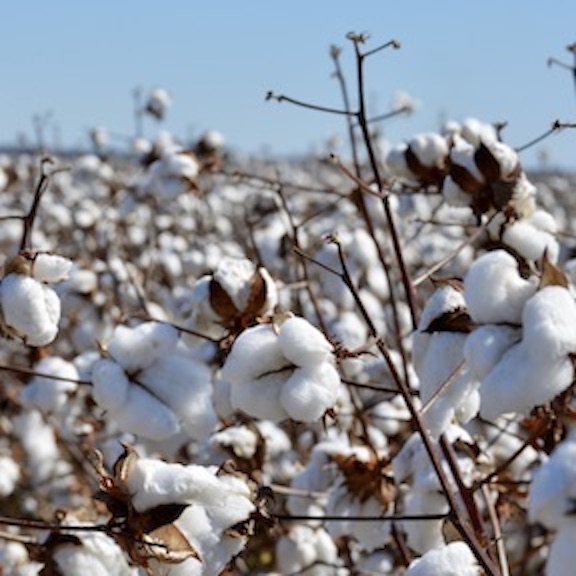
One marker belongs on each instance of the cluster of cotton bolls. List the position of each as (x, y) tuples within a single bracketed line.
[(206, 324)]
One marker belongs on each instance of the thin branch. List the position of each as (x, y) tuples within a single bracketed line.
[(389, 518), (282, 98), (557, 126), (497, 530), (33, 524), (29, 372)]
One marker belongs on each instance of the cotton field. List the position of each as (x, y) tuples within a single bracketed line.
[(340, 365)]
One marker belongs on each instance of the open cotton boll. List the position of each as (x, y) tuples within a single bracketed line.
[(486, 345), (30, 309), (506, 156), (553, 487), (50, 394), (430, 149), (234, 276), (303, 344), (216, 502), (50, 267), (539, 367), (476, 131), (137, 348), (255, 352), (530, 241), (454, 559), (309, 392), (462, 154), (494, 290)]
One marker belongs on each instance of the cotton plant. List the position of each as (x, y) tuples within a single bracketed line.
[(30, 308), (521, 350), (282, 370), (175, 519), (149, 385)]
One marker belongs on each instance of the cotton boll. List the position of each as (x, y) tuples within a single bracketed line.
[(462, 154), (396, 163), (494, 290), (241, 440), (309, 392), (48, 394), (260, 397), (50, 267), (531, 242), (30, 309), (430, 149), (185, 387), (137, 348), (521, 381), (476, 131), (9, 476), (454, 559), (303, 344), (110, 385), (553, 487), (486, 345), (255, 352)]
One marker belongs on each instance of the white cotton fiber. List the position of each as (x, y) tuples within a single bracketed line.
[(255, 352), (51, 267), (30, 308), (538, 368), (146, 416), (309, 392), (553, 487), (486, 345), (494, 290), (49, 394), (531, 242), (136, 348), (430, 149), (454, 559), (110, 385), (303, 344)]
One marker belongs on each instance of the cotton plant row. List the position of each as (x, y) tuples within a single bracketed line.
[(181, 337)]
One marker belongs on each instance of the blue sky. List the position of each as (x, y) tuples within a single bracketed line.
[(80, 61)]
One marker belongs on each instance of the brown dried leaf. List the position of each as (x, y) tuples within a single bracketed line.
[(154, 518), (552, 275)]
